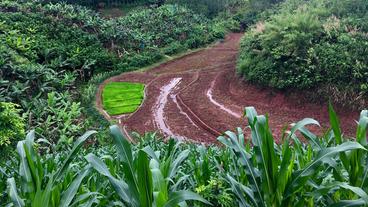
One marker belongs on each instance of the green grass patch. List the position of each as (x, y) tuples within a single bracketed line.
[(122, 97)]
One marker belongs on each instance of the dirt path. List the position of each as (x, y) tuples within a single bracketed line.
[(199, 96)]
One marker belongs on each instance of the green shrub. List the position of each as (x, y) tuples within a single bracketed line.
[(12, 126), (57, 118), (272, 53), (173, 48), (217, 193), (307, 45), (144, 58), (209, 8), (159, 27)]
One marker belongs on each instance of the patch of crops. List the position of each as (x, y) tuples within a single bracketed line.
[(122, 97), (246, 171)]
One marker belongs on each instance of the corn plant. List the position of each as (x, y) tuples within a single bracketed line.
[(200, 165), (38, 187), (294, 174), (205, 168), (147, 180), (354, 162)]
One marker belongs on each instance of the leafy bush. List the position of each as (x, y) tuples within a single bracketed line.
[(11, 124), (272, 52), (213, 8), (56, 118), (159, 27), (217, 193), (308, 44), (247, 14), (173, 48)]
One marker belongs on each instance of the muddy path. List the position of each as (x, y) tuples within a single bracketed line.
[(199, 96)]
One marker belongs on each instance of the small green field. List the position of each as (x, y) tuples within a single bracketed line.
[(122, 97)]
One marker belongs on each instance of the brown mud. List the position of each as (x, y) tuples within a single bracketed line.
[(198, 96)]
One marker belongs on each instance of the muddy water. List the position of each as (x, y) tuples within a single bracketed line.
[(221, 106), (158, 109)]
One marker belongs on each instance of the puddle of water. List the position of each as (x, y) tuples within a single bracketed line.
[(160, 105), (221, 106)]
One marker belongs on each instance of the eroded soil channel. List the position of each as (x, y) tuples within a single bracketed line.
[(199, 96)]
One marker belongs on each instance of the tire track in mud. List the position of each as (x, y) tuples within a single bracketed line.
[(221, 106), (158, 108), (198, 96)]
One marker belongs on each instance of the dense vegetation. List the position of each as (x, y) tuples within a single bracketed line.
[(48, 52), (326, 171), (310, 44), (207, 7), (53, 56), (12, 127)]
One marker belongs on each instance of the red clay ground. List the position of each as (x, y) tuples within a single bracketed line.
[(199, 96)]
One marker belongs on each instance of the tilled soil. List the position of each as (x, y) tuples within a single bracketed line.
[(199, 96)]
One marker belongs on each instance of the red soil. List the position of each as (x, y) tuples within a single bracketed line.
[(199, 96)]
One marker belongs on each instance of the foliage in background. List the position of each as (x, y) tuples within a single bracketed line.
[(309, 44), (41, 58), (60, 118), (50, 48), (107, 3), (12, 126), (231, 15), (158, 28), (322, 171), (209, 8)]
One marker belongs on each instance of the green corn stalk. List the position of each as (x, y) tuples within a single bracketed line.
[(354, 162), (146, 180), (38, 189), (275, 176)]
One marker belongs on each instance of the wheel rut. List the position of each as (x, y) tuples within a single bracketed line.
[(199, 96)]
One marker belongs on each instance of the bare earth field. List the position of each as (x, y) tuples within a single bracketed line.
[(199, 96)]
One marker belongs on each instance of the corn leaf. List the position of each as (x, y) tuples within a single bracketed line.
[(70, 193), (13, 194), (180, 196)]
